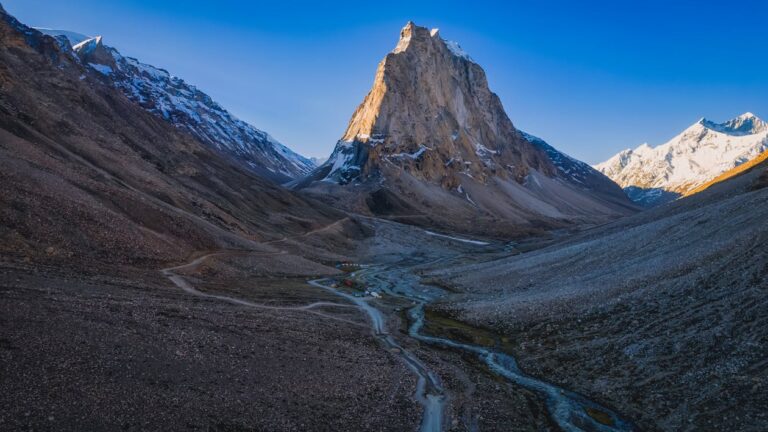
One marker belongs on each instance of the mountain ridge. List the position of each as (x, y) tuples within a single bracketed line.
[(704, 150), (91, 180), (186, 107)]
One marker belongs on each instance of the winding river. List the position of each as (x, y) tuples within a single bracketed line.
[(570, 410)]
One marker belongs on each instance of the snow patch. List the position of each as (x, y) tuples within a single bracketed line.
[(415, 155), (457, 51), (183, 105), (474, 242), (87, 46), (483, 151), (102, 69)]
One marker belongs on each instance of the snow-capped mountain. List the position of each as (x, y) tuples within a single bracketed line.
[(186, 107), (318, 160), (432, 139), (572, 169), (654, 175), (71, 37)]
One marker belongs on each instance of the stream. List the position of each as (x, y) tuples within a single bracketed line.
[(569, 410)]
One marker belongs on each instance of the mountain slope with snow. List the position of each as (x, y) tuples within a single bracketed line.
[(91, 175), (431, 144), (186, 107), (654, 175), (71, 37)]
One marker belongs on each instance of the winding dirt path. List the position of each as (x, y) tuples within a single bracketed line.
[(181, 282), (309, 233)]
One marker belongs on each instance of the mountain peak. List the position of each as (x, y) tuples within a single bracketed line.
[(183, 105), (744, 124), (93, 52), (462, 131), (88, 46), (412, 33), (430, 42), (697, 155), (643, 148), (747, 115), (430, 134)]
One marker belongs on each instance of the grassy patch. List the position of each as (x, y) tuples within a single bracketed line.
[(441, 325), (440, 284), (600, 416)]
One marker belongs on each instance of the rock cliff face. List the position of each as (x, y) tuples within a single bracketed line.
[(702, 152), (431, 137), (431, 113), (184, 106)]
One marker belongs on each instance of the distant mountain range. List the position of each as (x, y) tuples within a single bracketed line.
[(705, 150), (431, 144), (184, 106)]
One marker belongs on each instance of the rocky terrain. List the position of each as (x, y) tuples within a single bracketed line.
[(152, 281), (432, 145), (97, 196), (705, 150), (184, 106), (660, 315), (134, 354), (88, 177)]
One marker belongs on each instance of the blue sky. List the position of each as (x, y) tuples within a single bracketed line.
[(590, 77)]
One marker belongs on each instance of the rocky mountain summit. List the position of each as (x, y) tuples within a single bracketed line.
[(431, 113), (186, 107), (703, 151), (431, 135)]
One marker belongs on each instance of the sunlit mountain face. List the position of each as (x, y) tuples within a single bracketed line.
[(705, 150)]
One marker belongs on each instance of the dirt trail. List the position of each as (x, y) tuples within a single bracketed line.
[(182, 283), (308, 233)]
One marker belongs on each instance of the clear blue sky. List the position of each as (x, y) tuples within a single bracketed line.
[(591, 78)]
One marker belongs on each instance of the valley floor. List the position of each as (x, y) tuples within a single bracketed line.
[(239, 340), (249, 346), (661, 315), (140, 354)]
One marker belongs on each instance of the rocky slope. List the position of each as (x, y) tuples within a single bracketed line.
[(661, 314), (431, 141), (186, 107), (655, 175), (89, 178)]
